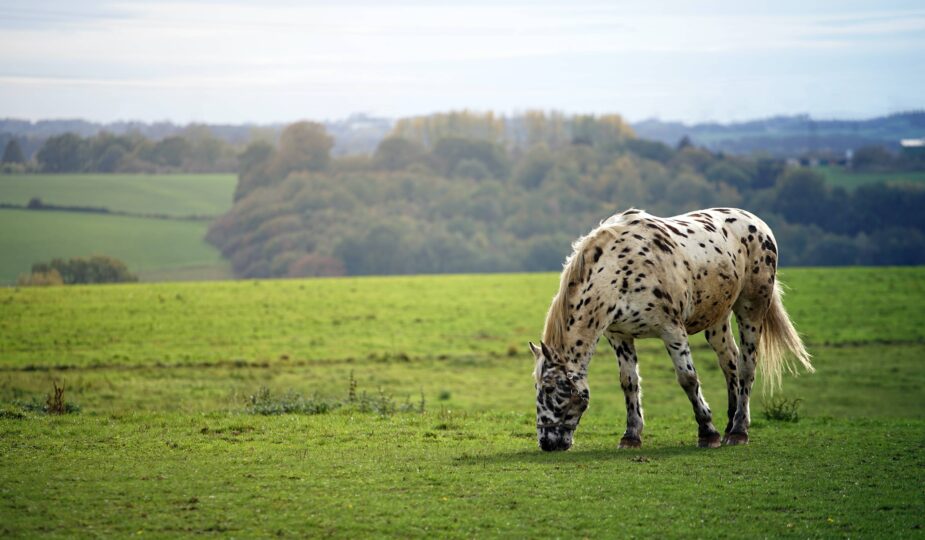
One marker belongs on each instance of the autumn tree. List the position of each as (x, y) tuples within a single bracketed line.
[(303, 146)]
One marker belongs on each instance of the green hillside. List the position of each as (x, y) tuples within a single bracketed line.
[(169, 194), (839, 176), (156, 249)]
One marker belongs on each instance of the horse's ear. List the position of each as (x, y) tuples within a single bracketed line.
[(546, 352), (537, 352)]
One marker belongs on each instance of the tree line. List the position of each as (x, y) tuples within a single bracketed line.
[(464, 192), (195, 150)]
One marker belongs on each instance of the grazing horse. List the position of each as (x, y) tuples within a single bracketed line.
[(638, 276)]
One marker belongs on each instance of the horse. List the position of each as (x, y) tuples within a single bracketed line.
[(641, 276)]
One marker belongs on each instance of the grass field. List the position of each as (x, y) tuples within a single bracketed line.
[(164, 444), (156, 249), (167, 194), (153, 248), (838, 176)]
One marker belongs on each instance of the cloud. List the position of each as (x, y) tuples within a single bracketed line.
[(355, 49)]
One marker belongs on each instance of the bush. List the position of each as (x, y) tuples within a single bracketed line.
[(78, 270), (40, 279)]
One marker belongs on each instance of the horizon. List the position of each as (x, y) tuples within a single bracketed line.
[(513, 114), (226, 62)]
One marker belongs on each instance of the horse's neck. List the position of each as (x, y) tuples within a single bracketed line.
[(579, 347)]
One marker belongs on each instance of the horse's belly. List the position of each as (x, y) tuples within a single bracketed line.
[(712, 298)]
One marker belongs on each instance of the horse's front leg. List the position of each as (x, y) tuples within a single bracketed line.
[(678, 347), (629, 381)]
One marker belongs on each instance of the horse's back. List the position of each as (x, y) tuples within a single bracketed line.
[(689, 270)]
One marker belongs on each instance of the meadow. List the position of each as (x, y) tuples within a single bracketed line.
[(157, 249), (438, 437), (176, 195), (840, 177)]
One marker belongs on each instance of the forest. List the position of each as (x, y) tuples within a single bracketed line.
[(468, 192)]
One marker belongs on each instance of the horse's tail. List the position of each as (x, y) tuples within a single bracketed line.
[(779, 341)]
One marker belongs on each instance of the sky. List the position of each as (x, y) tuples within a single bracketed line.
[(226, 61)]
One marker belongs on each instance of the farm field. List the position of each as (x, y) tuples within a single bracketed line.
[(176, 195), (164, 443), (838, 176), (155, 249)]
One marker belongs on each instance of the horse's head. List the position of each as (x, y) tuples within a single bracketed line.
[(562, 396)]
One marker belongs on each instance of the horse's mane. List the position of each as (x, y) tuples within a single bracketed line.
[(572, 272)]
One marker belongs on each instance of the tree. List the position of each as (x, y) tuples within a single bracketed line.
[(767, 171), (449, 152), (303, 146), (534, 167), (650, 150), (253, 168), (63, 153), (872, 158), (111, 159), (171, 152), (396, 153), (724, 171), (13, 153), (801, 196)]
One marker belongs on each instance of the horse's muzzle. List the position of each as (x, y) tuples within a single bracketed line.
[(555, 440)]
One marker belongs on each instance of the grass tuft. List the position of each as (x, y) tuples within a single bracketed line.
[(781, 409)]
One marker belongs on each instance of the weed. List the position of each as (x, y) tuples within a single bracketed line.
[(444, 395), (54, 404), (782, 409), (381, 403), (263, 402)]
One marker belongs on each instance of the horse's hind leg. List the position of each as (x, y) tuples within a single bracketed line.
[(727, 353), (680, 351), (629, 381), (750, 320)]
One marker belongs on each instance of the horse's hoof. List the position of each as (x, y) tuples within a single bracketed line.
[(710, 441), (627, 442), (733, 439)]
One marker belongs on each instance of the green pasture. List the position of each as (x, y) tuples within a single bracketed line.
[(153, 248), (163, 444), (156, 249), (384, 317), (166, 194), (841, 177)]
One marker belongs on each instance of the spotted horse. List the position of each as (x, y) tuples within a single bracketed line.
[(640, 276)]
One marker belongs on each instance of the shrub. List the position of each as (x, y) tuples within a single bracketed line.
[(781, 409), (78, 270), (40, 279)]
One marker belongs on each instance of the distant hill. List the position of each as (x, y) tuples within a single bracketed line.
[(788, 136), (781, 136)]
